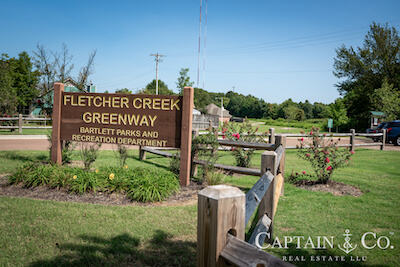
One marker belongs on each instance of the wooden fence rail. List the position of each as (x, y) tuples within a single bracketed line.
[(224, 211), (21, 120)]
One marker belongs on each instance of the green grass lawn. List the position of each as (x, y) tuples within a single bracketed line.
[(25, 132), (46, 233)]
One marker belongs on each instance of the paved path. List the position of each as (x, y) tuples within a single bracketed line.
[(29, 142)]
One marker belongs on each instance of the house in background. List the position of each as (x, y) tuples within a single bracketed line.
[(213, 109), (43, 105)]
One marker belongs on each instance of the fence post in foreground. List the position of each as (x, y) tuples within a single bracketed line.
[(221, 210), (20, 123), (272, 135), (281, 140), (383, 139), (352, 139), (268, 162)]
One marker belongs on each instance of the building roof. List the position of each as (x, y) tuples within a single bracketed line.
[(215, 110), (377, 113)]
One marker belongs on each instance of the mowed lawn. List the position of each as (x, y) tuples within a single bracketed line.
[(48, 233)]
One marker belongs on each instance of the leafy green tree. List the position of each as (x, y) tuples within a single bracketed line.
[(202, 98), (387, 100), (362, 70), (307, 107), (320, 110), (338, 112), (150, 89), (183, 80), (8, 94), (123, 91), (25, 80)]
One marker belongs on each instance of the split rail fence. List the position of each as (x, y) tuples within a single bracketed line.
[(22, 121), (224, 211)]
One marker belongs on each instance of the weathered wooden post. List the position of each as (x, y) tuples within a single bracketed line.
[(20, 123), (272, 135), (186, 136), (193, 168), (352, 139), (281, 140), (383, 139), (56, 156), (142, 153), (221, 210), (268, 163)]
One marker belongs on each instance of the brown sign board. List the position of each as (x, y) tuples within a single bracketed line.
[(143, 120)]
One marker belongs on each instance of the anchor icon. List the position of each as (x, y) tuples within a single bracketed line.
[(347, 246)]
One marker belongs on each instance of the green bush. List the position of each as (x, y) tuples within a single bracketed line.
[(140, 184), (149, 185)]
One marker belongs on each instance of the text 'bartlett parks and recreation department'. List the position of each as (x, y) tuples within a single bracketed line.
[(143, 120)]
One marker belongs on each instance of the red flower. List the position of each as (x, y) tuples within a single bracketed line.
[(311, 132), (329, 168), (327, 160), (304, 172), (352, 152), (307, 155)]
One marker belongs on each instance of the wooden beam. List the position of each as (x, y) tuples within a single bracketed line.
[(56, 156), (259, 146), (256, 194), (221, 209), (186, 136), (240, 253), (278, 181), (263, 226)]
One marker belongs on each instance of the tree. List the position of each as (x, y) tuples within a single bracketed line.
[(25, 80), (63, 64), (363, 70), (46, 66), (183, 80), (86, 71), (387, 99), (151, 89), (8, 94), (123, 91), (201, 98), (338, 112)]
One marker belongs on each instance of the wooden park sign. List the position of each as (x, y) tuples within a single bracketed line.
[(126, 119)]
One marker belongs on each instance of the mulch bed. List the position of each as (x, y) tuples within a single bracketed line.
[(186, 196), (333, 187)]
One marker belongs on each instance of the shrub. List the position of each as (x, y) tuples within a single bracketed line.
[(89, 154), (122, 154), (205, 147), (215, 177), (174, 164), (148, 185), (242, 132), (323, 154)]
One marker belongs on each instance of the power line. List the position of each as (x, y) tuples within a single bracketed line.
[(158, 56)]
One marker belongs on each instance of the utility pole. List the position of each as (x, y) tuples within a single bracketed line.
[(157, 60), (222, 108)]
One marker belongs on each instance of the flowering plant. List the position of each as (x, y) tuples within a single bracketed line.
[(323, 154), (242, 132)]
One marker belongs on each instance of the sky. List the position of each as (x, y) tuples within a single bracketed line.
[(274, 50)]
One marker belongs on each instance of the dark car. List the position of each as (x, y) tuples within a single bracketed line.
[(378, 129), (393, 132)]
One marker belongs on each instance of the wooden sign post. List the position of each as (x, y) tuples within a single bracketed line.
[(126, 119)]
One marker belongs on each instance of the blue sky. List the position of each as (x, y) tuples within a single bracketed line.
[(273, 50)]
